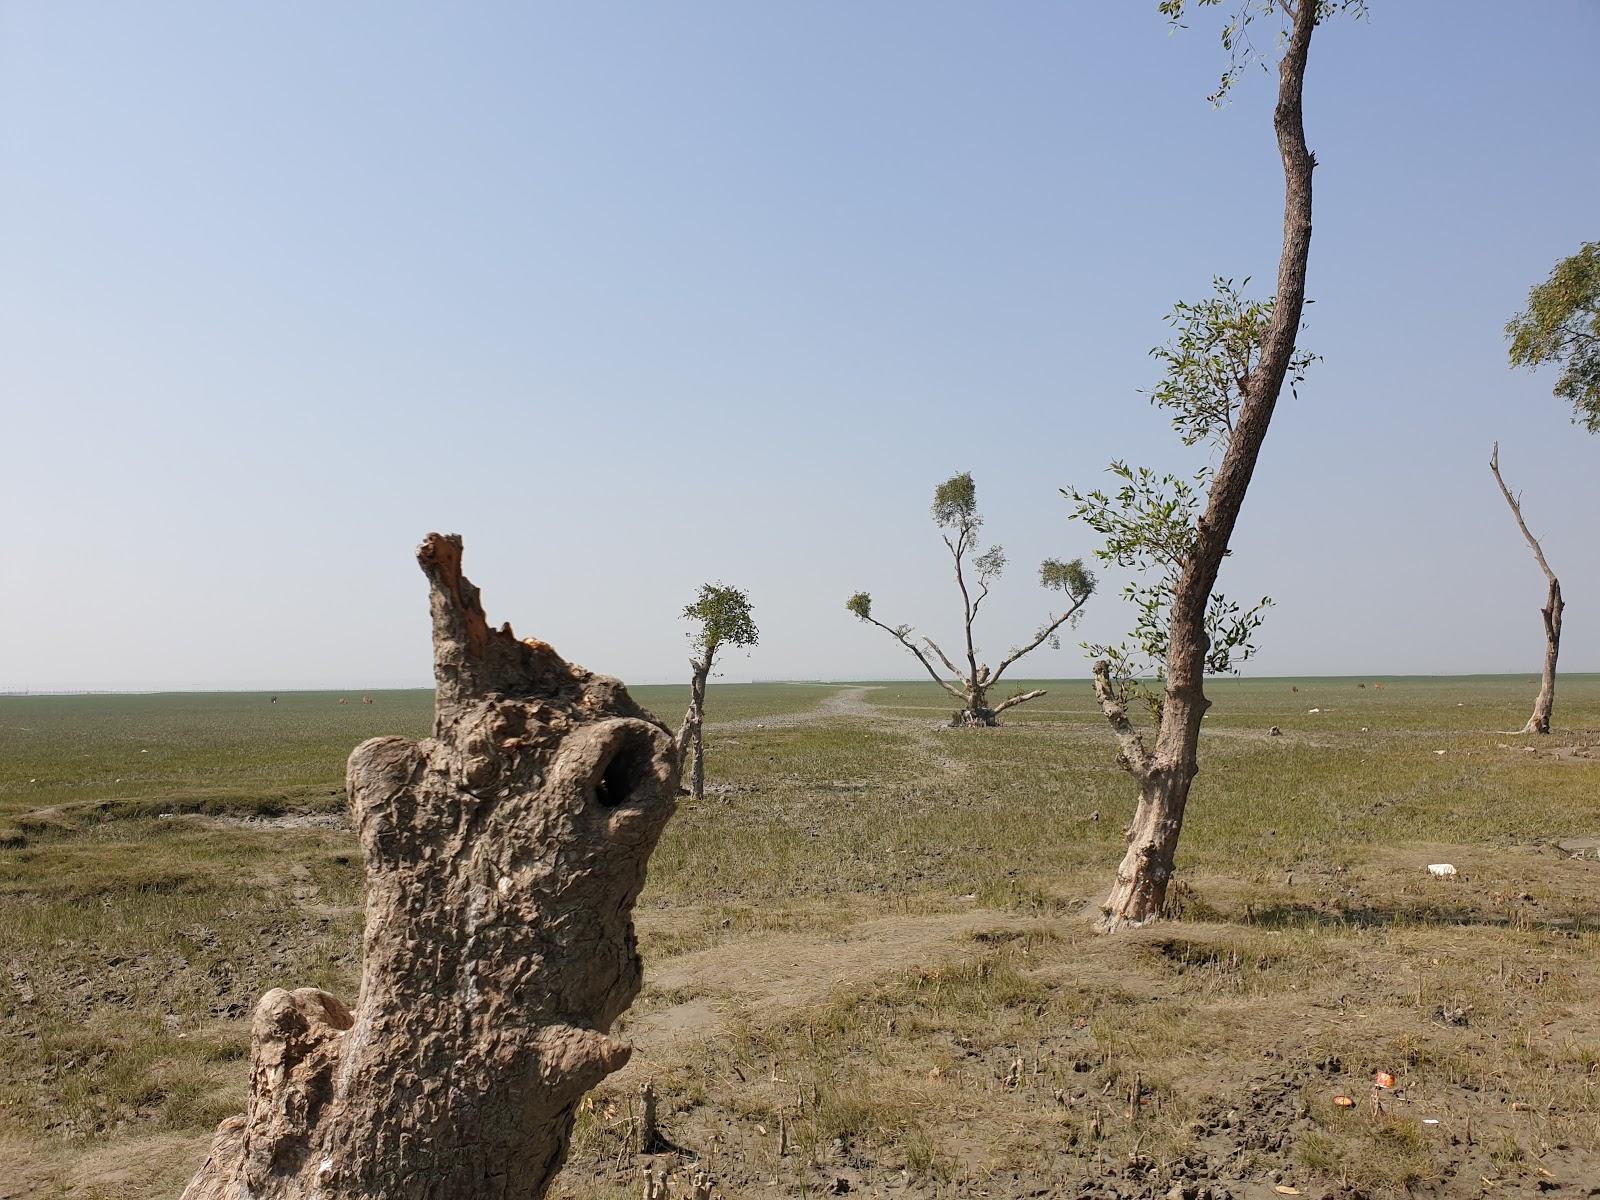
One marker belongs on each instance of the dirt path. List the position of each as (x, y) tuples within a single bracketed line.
[(788, 971), (846, 702), (689, 997)]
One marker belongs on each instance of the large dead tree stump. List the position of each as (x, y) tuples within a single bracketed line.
[(503, 858)]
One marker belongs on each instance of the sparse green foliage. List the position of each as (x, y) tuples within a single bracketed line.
[(861, 605), (1562, 325), (1238, 36), (1209, 361), (1071, 577), (990, 563), (1149, 522), (723, 617), (1149, 527)]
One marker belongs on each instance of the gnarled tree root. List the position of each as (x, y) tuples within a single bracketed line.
[(503, 858)]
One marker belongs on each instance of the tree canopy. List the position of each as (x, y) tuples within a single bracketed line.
[(955, 504), (724, 618), (1561, 325), (1215, 348)]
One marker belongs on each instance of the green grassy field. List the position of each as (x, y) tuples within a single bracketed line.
[(872, 930), (128, 755)]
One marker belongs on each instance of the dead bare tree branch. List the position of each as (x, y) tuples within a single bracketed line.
[(903, 636), (1544, 704), (1019, 698), (1045, 634), (1136, 759)]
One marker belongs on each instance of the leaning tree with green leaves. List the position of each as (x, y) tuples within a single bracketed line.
[(955, 512), (722, 617), (1561, 325), (1224, 369)]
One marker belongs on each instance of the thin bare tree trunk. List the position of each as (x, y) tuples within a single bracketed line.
[(1544, 704), (1164, 777), (958, 550), (691, 739), (503, 858), (697, 771)]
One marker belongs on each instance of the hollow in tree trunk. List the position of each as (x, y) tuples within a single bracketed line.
[(1165, 774), (503, 857), (1545, 702)]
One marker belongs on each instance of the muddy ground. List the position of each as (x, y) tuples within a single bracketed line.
[(869, 970)]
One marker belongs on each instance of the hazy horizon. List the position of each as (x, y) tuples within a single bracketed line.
[(1212, 683), (635, 298)]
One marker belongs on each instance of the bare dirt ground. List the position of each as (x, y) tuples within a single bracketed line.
[(1190, 1058), (691, 997)]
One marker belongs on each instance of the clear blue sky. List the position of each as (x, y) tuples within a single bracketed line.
[(635, 296)]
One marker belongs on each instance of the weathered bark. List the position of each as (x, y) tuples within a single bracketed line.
[(1140, 890), (690, 738), (975, 713), (1164, 777), (503, 858), (1019, 698), (1544, 704)]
